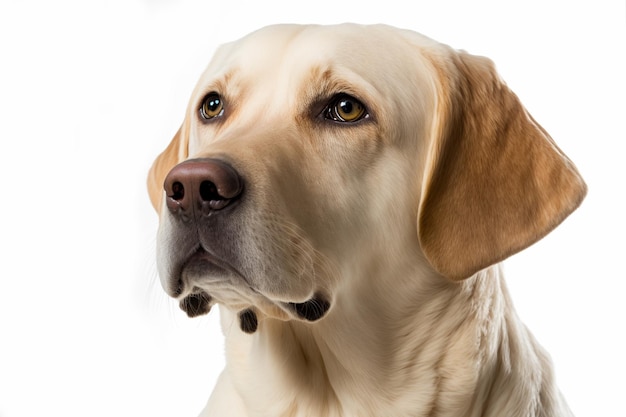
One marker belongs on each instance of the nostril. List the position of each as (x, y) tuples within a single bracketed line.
[(208, 191), (178, 191)]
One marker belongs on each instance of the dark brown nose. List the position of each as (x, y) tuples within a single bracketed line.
[(205, 185)]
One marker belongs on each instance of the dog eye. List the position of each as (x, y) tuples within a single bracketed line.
[(212, 106), (345, 109)]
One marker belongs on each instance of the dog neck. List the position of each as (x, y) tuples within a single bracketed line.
[(445, 349)]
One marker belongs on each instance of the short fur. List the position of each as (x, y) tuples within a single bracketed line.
[(394, 224)]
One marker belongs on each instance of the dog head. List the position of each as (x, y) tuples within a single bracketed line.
[(313, 157)]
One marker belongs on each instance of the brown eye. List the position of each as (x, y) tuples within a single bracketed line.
[(345, 109), (212, 106)]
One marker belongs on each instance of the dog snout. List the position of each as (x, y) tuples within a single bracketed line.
[(205, 185)]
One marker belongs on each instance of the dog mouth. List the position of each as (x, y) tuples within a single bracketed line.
[(211, 280)]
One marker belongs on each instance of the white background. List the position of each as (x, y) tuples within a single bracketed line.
[(91, 91)]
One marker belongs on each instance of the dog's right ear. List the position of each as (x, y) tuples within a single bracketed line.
[(175, 152)]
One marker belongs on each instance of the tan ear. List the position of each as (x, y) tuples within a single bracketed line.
[(495, 181), (175, 152)]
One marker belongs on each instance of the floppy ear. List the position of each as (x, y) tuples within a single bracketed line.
[(495, 181), (175, 152)]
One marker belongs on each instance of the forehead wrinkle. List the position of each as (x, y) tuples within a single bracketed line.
[(326, 81), (223, 84)]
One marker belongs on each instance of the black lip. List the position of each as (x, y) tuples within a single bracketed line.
[(248, 321), (196, 304), (313, 309)]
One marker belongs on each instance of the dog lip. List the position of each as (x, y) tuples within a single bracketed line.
[(312, 309), (248, 321), (196, 304)]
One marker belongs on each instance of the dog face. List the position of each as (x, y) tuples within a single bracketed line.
[(312, 158)]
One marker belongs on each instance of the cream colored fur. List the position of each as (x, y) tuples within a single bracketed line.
[(400, 220)]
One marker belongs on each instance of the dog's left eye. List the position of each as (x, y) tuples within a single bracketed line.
[(345, 109)]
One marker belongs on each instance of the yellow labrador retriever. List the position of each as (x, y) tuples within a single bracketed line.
[(345, 194)]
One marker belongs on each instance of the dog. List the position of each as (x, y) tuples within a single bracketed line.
[(346, 195)]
